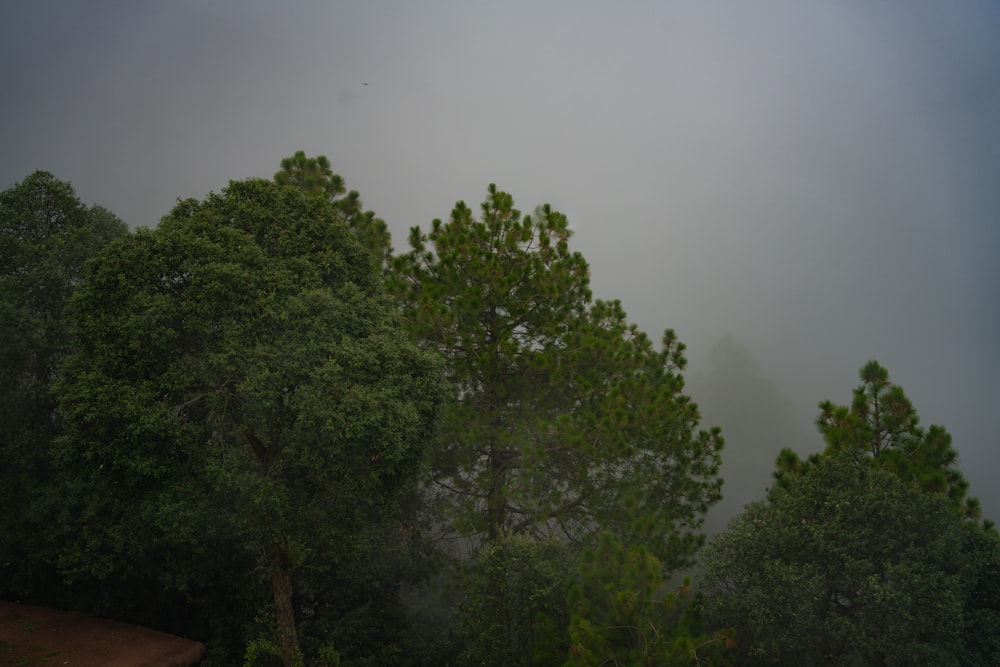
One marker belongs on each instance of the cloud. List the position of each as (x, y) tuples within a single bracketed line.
[(818, 179)]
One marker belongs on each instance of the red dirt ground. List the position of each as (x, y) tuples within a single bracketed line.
[(36, 636)]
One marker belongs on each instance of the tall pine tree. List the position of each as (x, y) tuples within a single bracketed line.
[(564, 419)]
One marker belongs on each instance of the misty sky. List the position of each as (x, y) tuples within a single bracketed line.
[(819, 180)]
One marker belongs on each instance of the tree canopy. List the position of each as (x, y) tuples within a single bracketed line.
[(842, 565), (563, 422), (624, 613), (46, 236), (881, 425), (564, 418), (238, 373), (863, 554), (315, 176), (254, 426)]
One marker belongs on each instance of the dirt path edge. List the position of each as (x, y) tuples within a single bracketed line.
[(33, 636)]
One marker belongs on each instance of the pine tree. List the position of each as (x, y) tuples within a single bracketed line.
[(315, 177), (564, 420), (881, 425)]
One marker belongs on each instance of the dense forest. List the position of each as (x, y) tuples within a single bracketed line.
[(259, 426)]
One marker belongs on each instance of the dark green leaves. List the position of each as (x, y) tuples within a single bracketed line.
[(240, 378), (315, 177), (843, 563), (862, 554), (46, 236), (881, 425)]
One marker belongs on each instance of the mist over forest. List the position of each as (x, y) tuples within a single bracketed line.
[(794, 189), (817, 182)]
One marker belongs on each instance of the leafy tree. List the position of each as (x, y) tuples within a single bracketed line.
[(624, 614), (864, 552), (881, 424), (315, 176), (46, 235), (564, 420), (842, 564), (238, 378), (981, 619), (514, 612)]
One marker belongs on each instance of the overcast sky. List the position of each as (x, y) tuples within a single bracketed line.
[(819, 180)]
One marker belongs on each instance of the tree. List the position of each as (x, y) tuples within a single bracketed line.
[(312, 175), (864, 553), (315, 176), (623, 613), (842, 564), (238, 378), (981, 618), (46, 235), (564, 421), (882, 425), (514, 610)]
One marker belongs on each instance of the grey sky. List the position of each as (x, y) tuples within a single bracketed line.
[(821, 180)]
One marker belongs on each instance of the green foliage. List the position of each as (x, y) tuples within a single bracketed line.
[(263, 651), (312, 175), (46, 236), (514, 612), (564, 419), (842, 564), (864, 552), (315, 177), (624, 614), (981, 619), (354, 603), (238, 382), (882, 425)]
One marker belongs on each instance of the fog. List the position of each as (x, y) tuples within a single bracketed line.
[(800, 186)]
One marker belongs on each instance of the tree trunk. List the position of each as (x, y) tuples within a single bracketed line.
[(496, 494), (281, 586)]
